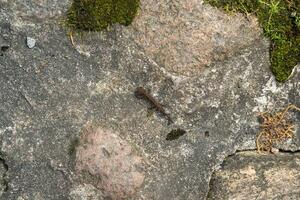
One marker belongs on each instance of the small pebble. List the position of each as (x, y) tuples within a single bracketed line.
[(274, 150), (30, 42)]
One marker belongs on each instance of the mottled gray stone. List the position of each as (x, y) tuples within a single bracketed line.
[(85, 192), (4, 45), (3, 183), (254, 176), (4, 39), (50, 92)]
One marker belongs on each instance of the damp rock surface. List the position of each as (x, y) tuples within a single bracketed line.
[(50, 92)]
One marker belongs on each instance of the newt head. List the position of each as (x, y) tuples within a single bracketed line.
[(140, 92)]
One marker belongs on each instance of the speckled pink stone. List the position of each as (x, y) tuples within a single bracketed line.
[(105, 155)]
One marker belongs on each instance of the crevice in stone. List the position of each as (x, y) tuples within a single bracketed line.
[(209, 185), (214, 170), (255, 150), (289, 151), (5, 182), (243, 150)]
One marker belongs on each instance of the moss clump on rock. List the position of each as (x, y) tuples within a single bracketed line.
[(280, 20), (97, 15)]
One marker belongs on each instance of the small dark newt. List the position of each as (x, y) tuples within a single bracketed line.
[(140, 92)]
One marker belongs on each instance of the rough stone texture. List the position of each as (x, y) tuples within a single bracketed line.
[(86, 192), (256, 176), (183, 36), (48, 93), (104, 155), (29, 14), (3, 183)]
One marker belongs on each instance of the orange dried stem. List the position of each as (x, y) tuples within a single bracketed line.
[(275, 129)]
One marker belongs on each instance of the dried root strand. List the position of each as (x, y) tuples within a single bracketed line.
[(274, 129)]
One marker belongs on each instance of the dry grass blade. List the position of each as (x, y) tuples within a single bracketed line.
[(275, 128)]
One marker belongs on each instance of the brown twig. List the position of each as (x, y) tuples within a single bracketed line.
[(71, 38)]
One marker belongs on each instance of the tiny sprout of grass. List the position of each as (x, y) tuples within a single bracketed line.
[(280, 20), (98, 15), (274, 129)]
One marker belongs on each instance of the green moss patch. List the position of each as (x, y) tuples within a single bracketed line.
[(280, 20), (97, 15)]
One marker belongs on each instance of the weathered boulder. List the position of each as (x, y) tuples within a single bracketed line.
[(251, 175)]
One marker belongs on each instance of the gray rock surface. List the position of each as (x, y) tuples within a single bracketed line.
[(256, 176), (85, 192), (3, 183), (50, 92)]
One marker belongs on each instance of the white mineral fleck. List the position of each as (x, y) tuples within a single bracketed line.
[(30, 42)]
